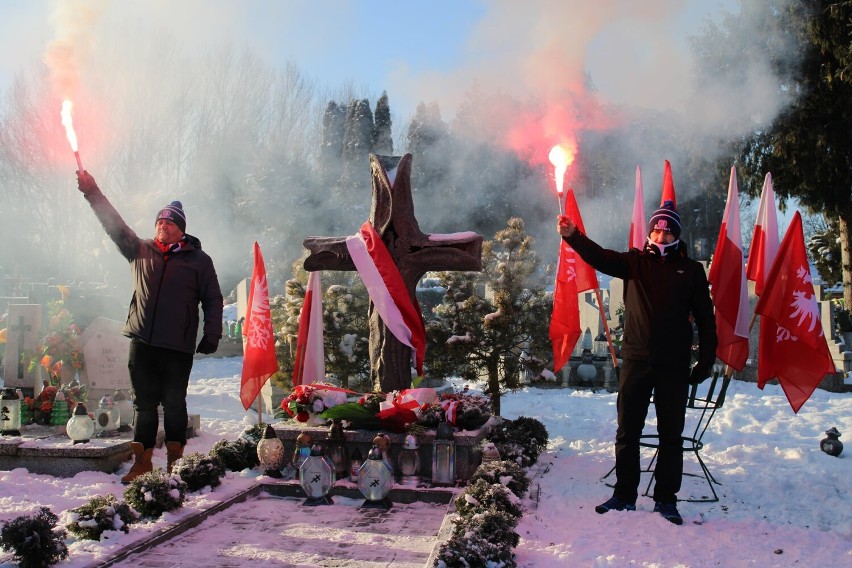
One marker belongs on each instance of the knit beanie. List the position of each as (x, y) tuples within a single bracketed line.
[(174, 213), (666, 219)]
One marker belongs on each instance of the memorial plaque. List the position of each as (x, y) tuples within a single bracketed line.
[(105, 350)]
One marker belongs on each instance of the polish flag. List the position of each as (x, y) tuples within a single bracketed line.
[(638, 225), (259, 361), (309, 364), (668, 187), (764, 242), (573, 276), (793, 347), (728, 285), (387, 291)]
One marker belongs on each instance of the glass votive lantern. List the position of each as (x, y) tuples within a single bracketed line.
[(444, 456), (409, 461), (375, 480), (317, 477), (106, 416), (125, 410), (10, 413), (80, 426), (270, 452), (304, 441), (336, 449)]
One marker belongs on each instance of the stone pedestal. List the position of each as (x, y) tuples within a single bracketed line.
[(468, 457), (41, 449)]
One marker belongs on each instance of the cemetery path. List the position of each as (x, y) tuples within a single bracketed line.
[(280, 531)]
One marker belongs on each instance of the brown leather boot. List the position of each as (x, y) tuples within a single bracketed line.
[(174, 451), (142, 463)]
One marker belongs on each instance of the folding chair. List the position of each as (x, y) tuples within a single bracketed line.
[(700, 409)]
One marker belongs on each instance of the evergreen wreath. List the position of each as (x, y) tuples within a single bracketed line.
[(34, 540), (474, 551), (521, 440), (101, 514), (199, 470), (505, 472), (482, 495), (235, 455), (153, 493)]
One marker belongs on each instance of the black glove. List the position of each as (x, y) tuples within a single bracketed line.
[(698, 375), (208, 345), (86, 183)]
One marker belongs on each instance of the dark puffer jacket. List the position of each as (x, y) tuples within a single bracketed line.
[(166, 291), (660, 294)]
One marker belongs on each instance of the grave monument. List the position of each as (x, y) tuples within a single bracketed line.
[(414, 253)]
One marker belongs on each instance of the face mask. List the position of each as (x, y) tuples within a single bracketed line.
[(661, 248)]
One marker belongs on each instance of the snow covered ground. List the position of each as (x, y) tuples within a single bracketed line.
[(783, 501)]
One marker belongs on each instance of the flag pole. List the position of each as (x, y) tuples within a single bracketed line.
[(606, 328), (259, 412)]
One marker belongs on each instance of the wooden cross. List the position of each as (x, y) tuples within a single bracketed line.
[(414, 253), (22, 329)]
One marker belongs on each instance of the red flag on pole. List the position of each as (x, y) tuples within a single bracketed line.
[(565, 315), (572, 277), (587, 278), (668, 186), (259, 361), (728, 285), (638, 225), (764, 242), (309, 363), (793, 347)]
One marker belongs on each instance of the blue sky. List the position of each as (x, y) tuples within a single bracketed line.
[(417, 50)]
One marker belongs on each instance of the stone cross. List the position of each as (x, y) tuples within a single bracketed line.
[(22, 329), (414, 253)]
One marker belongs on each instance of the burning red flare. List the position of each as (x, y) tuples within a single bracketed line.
[(68, 123), (561, 156)]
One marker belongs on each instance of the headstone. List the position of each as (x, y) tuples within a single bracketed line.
[(6, 301), (105, 351), (22, 335)]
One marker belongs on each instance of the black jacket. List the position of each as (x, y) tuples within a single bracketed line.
[(166, 292), (660, 294)]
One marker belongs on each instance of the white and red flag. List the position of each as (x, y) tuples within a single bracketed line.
[(728, 285), (388, 291), (638, 225), (259, 361), (764, 242), (573, 276), (668, 186), (309, 363), (793, 347)]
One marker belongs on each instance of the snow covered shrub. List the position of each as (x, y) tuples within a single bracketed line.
[(481, 495), (506, 472), (521, 440), (102, 513), (235, 455), (199, 470), (155, 492), (474, 551), (254, 433), (34, 541), (495, 525)]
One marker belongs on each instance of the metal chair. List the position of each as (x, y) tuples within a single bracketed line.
[(700, 409)]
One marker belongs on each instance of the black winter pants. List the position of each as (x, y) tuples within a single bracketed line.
[(670, 387), (159, 376)]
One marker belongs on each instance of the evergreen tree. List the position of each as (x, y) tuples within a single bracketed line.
[(493, 324), (331, 151), (427, 142), (808, 147), (357, 141), (382, 136)]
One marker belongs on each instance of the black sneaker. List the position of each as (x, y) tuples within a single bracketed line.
[(615, 504), (669, 512)]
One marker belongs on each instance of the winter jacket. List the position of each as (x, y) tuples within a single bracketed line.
[(166, 289), (660, 294)]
